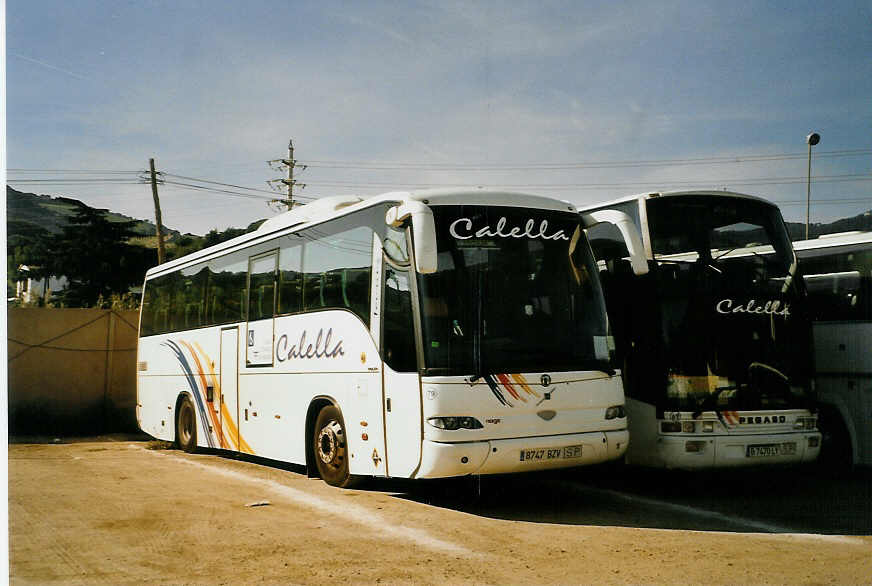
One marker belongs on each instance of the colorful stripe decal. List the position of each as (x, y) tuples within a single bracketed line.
[(523, 384), (513, 384), (227, 419), (224, 432), (192, 384), (495, 389), (216, 424), (508, 385)]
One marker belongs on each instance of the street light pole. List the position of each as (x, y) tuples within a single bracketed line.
[(812, 139)]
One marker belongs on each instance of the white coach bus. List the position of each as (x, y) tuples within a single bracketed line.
[(416, 335), (838, 275), (714, 339)]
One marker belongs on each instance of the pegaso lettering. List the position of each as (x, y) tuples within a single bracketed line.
[(772, 307), (323, 347), (462, 230), (763, 419)]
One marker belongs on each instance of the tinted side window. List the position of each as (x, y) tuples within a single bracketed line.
[(261, 287), (156, 305), (399, 330), (337, 265), (291, 275), (226, 294), (189, 307), (839, 283)]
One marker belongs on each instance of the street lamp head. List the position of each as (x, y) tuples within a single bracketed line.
[(813, 138)]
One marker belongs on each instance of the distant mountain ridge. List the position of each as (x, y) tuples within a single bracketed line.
[(27, 210), (861, 222)]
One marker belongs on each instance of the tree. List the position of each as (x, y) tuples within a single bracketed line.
[(94, 254)]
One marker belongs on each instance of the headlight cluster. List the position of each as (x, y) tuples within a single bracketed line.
[(686, 426), (805, 423), (452, 423), (616, 412)]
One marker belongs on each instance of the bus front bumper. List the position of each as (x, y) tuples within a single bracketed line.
[(690, 452), (504, 456)]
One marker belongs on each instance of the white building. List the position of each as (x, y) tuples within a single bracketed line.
[(29, 290)]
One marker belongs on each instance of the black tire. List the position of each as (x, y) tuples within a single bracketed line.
[(836, 454), (330, 448), (186, 426)]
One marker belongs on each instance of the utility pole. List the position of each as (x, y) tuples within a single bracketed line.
[(161, 251), (289, 181), (811, 140)]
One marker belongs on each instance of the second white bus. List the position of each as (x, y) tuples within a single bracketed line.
[(714, 340), (838, 275), (415, 335)]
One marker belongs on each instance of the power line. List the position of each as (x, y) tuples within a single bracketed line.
[(382, 165), (216, 190), (255, 189), (92, 171), (628, 184)]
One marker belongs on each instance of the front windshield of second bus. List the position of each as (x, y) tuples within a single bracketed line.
[(516, 290), (733, 320)]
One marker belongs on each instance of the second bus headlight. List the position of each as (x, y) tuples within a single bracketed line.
[(616, 412), (452, 423)]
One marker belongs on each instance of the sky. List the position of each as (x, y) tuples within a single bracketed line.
[(582, 101)]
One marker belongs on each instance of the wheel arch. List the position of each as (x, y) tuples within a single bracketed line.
[(833, 409), (315, 407), (181, 397)]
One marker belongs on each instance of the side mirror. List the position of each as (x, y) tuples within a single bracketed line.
[(423, 232), (628, 230)]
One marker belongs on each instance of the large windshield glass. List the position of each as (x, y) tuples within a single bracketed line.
[(516, 290), (734, 327)]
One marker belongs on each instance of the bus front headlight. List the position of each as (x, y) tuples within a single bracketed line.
[(616, 412), (452, 423)]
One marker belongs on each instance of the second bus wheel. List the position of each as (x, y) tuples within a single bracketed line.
[(330, 448), (186, 426)]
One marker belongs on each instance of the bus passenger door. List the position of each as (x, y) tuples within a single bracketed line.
[(402, 385), (228, 398), (261, 308)]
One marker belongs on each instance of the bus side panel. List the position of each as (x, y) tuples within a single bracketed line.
[(170, 365), (844, 379), (643, 422), (329, 355)]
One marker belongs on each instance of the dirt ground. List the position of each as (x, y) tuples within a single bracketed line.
[(124, 512)]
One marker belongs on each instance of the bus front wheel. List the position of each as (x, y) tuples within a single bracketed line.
[(186, 426), (330, 448)]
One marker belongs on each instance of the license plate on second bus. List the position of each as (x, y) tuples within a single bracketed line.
[(545, 454), (785, 449)]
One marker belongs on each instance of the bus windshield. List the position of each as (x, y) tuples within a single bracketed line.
[(734, 328), (516, 290)]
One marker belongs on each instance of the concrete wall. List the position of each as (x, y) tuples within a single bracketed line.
[(71, 371)]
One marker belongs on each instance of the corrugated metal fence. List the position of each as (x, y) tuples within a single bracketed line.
[(71, 371)]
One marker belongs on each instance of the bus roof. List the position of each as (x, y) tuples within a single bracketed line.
[(833, 240), (662, 194), (327, 208)]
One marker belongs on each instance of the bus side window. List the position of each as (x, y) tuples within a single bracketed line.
[(399, 331), (226, 293), (261, 287), (291, 277), (337, 269)]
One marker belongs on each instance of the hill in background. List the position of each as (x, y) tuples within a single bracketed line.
[(25, 210), (860, 222)]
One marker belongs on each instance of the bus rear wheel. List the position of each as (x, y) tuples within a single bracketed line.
[(330, 448), (186, 426)]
